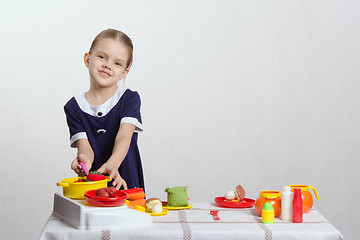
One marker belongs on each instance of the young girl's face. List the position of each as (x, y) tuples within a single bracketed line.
[(107, 63)]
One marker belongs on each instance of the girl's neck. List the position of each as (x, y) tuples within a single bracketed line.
[(99, 96)]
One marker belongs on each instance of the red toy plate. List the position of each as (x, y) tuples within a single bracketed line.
[(106, 202), (223, 202)]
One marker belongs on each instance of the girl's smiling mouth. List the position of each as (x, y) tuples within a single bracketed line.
[(104, 73)]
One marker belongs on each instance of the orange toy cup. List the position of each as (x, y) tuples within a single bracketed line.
[(306, 196), (273, 197)]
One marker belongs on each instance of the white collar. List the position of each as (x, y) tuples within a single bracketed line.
[(103, 109)]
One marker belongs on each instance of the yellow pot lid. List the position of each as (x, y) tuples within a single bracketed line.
[(270, 194)]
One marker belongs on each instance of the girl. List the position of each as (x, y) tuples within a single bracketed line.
[(104, 122)]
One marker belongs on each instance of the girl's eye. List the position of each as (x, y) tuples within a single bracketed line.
[(118, 64), (101, 57)]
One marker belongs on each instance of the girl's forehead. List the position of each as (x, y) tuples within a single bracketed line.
[(111, 47)]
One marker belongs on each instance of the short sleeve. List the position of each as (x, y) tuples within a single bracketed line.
[(131, 111), (76, 127)]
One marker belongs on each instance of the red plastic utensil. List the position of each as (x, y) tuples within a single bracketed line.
[(215, 215), (83, 166)]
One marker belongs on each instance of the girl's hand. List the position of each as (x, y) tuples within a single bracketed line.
[(76, 166), (113, 174)]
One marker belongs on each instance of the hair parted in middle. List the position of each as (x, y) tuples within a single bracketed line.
[(118, 36)]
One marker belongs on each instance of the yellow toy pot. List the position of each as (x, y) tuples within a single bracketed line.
[(76, 190)]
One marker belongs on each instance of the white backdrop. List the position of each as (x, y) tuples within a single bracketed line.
[(257, 93)]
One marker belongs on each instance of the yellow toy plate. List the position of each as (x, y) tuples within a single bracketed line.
[(164, 212), (178, 208)]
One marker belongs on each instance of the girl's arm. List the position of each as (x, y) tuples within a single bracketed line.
[(85, 154), (121, 147)]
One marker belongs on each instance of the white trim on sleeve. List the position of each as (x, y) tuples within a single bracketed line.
[(76, 137), (133, 121)]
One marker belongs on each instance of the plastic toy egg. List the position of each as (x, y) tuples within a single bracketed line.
[(156, 208), (230, 195)]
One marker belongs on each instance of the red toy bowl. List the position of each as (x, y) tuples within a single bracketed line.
[(106, 202), (223, 202)]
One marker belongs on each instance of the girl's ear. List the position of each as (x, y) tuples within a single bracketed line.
[(86, 59), (124, 73)]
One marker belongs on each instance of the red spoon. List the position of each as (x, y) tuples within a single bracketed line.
[(215, 215)]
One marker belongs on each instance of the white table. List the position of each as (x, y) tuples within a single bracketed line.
[(197, 223)]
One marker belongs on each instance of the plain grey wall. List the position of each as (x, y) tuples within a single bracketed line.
[(258, 93)]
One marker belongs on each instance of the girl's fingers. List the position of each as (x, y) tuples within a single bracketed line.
[(118, 182), (117, 185), (113, 175), (74, 165), (101, 169), (125, 185)]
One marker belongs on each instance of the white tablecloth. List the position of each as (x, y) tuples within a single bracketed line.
[(197, 223)]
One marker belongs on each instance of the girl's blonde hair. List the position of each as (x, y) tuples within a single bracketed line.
[(119, 36)]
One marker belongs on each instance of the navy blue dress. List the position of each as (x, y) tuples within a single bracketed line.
[(100, 124)]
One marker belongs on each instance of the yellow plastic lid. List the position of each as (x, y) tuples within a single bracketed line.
[(270, 194)]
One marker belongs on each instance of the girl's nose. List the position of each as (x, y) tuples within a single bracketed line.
[(106, 66)]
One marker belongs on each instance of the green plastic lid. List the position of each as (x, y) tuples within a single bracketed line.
[(268, 206)]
